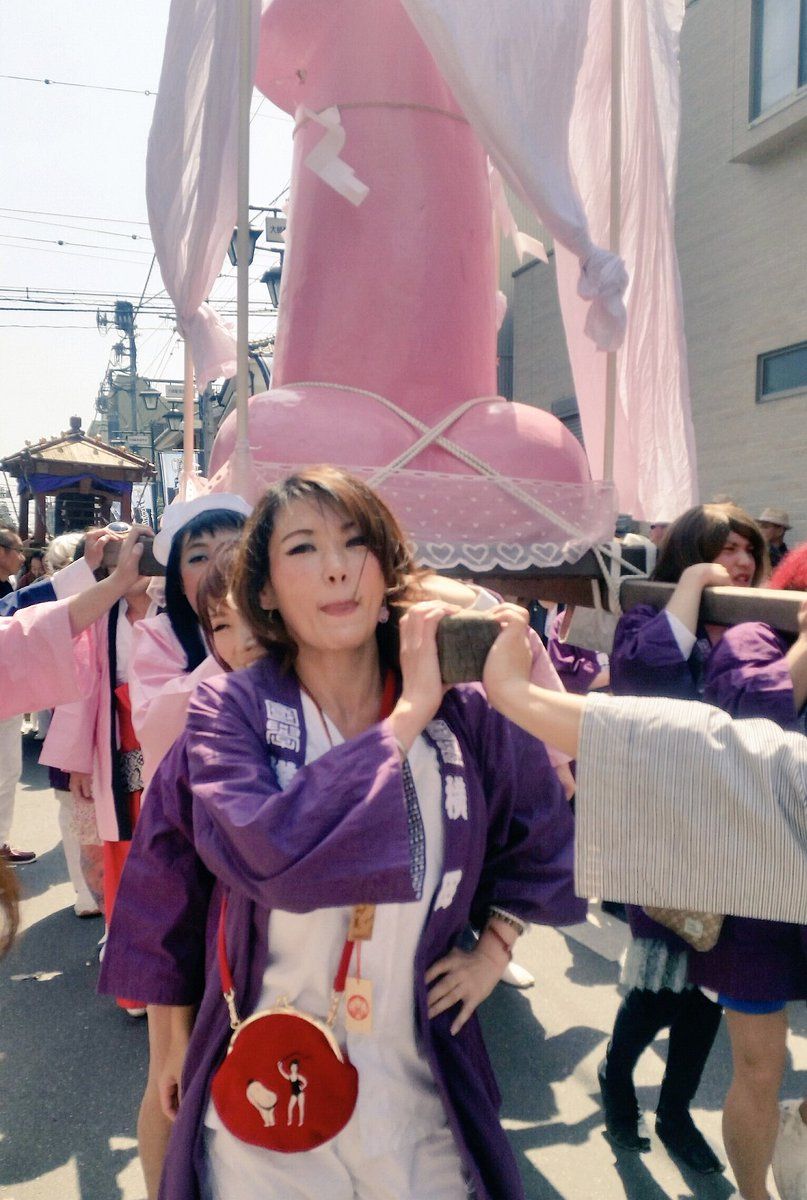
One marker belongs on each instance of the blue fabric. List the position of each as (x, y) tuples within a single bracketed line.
[(757, 1007), (40, 592), (35, 484)]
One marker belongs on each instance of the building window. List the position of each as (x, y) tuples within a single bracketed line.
[(568, 414), (779, 52), (782, 373)]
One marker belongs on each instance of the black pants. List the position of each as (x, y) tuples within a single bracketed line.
[(693, 1022)]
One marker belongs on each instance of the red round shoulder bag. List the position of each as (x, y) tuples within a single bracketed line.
[(286, 1084)]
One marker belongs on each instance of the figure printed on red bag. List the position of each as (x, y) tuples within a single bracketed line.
[(263, 1099), (298, 1084)]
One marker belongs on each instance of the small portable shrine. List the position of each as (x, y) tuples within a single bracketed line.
[(85, 475)]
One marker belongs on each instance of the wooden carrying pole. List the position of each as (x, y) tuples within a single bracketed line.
[(723, 605)]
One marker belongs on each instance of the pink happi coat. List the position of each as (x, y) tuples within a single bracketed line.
[(37, 668), (160, 689), (80, 734)]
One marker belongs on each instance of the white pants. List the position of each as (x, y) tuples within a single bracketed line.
[(10, 771), (428, 1170), (72, 851)]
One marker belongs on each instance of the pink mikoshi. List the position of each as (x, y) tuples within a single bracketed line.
[(388, 316)]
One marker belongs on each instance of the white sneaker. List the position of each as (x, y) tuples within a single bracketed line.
[(517, 977), (790, 1153), (136, 1012)]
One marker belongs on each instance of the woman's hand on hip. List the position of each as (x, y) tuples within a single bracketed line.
[(465, 978)]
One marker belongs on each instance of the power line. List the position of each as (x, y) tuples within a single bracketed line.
[(94, 87), (145, 285), (135, 237), (21, 237), (99, 87), (73, 254), (36, 212), (85, 328)]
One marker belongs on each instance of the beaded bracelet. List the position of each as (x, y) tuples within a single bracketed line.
[(495, 933), (507, 919)]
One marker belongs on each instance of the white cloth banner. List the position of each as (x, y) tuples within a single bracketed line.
[(191, 169), (512, 66), (654, 455)]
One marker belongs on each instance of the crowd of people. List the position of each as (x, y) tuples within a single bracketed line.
[(284, 815)]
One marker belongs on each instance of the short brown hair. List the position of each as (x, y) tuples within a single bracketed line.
[(213, 588), (699, 535), (345, 493)]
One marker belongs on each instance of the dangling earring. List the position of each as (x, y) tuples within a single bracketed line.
[(383, 615)]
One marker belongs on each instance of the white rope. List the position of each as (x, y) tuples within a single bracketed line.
[(434, 436)]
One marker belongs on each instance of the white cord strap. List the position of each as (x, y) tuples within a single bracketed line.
[(434, 436)]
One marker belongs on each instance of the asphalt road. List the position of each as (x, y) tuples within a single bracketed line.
[(73, 1065)]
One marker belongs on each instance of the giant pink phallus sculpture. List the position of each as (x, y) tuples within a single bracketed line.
[(385, 356)]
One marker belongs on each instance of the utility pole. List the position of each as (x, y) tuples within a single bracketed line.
[(124, 321)]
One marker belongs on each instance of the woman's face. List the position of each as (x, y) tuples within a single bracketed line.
[(233, 640), (738, 558), (326, 584), (196, 553)]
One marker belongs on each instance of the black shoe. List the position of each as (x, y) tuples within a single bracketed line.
[(683, 1139), (16, 858), (621, 1114)]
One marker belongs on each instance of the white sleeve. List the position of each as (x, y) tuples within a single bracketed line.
[(484, 599), (684, 637)]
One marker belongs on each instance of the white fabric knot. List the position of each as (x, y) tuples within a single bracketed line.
[(212, 341), (324, 159), (603, 280)]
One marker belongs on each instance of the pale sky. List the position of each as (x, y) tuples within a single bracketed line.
[(73, 163)]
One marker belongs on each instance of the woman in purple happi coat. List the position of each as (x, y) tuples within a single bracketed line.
[(758, 966), (580, 670), (664, 654), (305, 803)]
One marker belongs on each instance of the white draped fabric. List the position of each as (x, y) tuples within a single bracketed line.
[(191, 170), (512, 66), (654, 454)]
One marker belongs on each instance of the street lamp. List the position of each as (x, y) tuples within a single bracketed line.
[(151, 398), (232, 249), (272, 279), (174, 419)]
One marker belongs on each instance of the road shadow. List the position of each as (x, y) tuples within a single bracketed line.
[(525, 1060), (34, 777), (73, 1064), (49, 870), (587, 968)]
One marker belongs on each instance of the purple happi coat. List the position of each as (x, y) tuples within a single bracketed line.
[(577, 667), (335, 834), (748, 676)]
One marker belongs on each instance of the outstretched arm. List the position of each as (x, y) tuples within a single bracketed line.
[(88, 606), (554, 717)]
